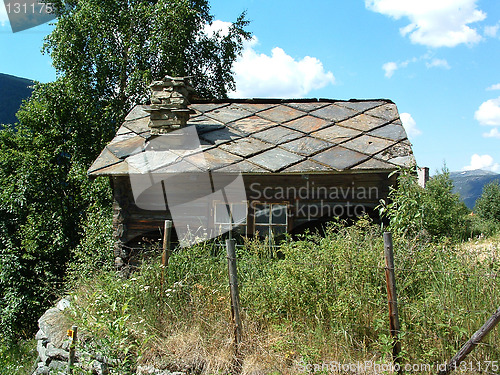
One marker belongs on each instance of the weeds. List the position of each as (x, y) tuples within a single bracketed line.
[(312, 300)]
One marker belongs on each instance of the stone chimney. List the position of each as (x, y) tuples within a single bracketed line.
[(169, 104), (423, 176)]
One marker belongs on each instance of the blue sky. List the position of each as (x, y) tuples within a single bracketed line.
[(438, 60)]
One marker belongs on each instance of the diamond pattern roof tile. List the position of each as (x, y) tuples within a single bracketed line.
[(361, 106), (127, 147), (251, 124), (246, 146), (374, 164), (308, 107), (281, 114), (307, 124), (278, 135), (137, 112), (368, 144), (228, 114), (306, 146), (105, 159), (307, 166), (268, 136), (334, 113), (138, 126), (340, 158), (243, 167), (221, 136), (336, 134), (363, 122), (275, 159), (212, 159), (387, 112), (394, 131)]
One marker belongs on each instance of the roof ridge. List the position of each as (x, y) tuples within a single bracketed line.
[(284, 101)]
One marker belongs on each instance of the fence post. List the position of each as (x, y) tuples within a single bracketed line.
[(73, 333), (392, 296), (476, 338), (233, 284), (167, 232)]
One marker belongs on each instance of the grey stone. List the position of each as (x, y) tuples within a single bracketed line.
[(99, 368), (42, 369), (65, 345), (41, 349), (55, 325), (64, 303), (56, 353), (40, 335), (58, 366)]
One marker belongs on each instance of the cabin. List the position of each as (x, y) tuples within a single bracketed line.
[(247, 166)]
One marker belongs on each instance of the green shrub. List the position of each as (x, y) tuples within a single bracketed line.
[(435, 210), (94, 253), (444, 212), (487, 206), (17, 358), (314, 299)]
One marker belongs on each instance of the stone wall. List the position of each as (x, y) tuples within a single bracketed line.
[(53, 346)]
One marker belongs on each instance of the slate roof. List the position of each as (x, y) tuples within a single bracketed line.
[(270, 136)]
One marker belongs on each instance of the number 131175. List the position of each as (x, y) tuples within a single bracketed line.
[(33, 8)]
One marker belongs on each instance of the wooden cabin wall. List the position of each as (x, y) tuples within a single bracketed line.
[(314, 196), (129, 221), (312, 191)]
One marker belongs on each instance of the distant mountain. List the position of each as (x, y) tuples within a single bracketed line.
[(469, 184), (12, 91)]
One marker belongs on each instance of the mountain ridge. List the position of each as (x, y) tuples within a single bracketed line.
[(13, 90), (469, 184)]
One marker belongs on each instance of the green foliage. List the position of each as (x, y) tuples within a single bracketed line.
[(435, 210), (312, 300), (116, 48), (445, 214), (94, 253), (17, 358), (405, 209), (106, 54), (487, 206)]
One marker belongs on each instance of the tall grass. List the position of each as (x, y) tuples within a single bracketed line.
[(310, 301)]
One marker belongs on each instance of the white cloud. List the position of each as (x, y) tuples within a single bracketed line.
[(434, 23), (489, 112), (492, 31), (485, 162), (438, 63), (258, 75), (278, 75), (410, 125), (494, 87), (218, 26), (493, 133), (390, 68)]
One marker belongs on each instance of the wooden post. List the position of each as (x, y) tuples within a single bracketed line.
[(471, 344), (73, 333), (233, 284), (392, 296), (167, 232)]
